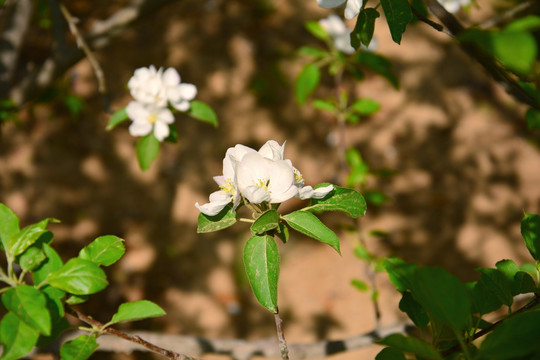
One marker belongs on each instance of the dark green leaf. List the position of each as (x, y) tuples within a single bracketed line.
[(53, 262), (533, 119), (306, 82), (530, 230), (390, 354), (27, 236), (365, 106), (443, 296), (400, 273), (9, 225), (349, 201), (79, 348), (261, 259), (30, 305), (173, 134), (482, 299), (201, 111), (16, 337), (137, 310), (105, 250), (55, 306), (520, 281), (224, 219), (117, 118), (497, 283), (317, 30), (411, 345), (398, 14), (267, 221), (147, 150), (79, 277), (308, 224), (283, 233), (378, 64), (312, 51), (414, 310), (364, 28)]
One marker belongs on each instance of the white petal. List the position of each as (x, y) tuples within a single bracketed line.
[(329, 4), (353, 8), (255, 194), (165, 115), (305, 193), (140, 128), (182, 105), (136, 110), (218, 200), (171, 77), (272, 150), (188, 91), (321, 192), (161, 130)]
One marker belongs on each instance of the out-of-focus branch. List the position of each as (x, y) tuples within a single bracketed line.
[(509, 14), (101, 33)]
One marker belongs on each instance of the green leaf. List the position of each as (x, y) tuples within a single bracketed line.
[(306, 82), (261, 259), (16, 337), (31, 259), (55, 306), (530, 231), (76, 299), (533, 119), (324, 105), (173, 134), (526, 23), (79, 277), (137, 310), (515, 338), (520, 281), (312, 51), (224, 219), (366, 106), (117, 118), (398, 14), (375, 197), (413, 345), (147, 150), (283, 233), (414, 310), (9, 225), (390, 354), (27, 236), (378, 64), (105, 250), (361, 252), (360, 285), (364, 28), (29, 304), (346, 200), (267, 221), (203, 112), (308, 224), (317, 30), (498, 285), (400, 273), (482, 299), (443, 296), (53, 262), (79, 348)]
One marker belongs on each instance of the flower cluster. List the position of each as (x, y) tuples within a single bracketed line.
[(341, 35), (352, 8), (258, 177), (153, 90)]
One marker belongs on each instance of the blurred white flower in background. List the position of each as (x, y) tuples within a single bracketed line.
[(147, 118), (453, 6), (339, 32), (352, 8)]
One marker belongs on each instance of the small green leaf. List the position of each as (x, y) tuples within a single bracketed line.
[(16, 337), (117, 118), (520, 281), (317, 30), (312, 51), (413, 345), (27, 236), (390, 353), (324, 105), (306, 82), (346, 200), (147, 150), (79, 348), (283, 233), (530, 231), (31, 259), (173, 134), (533, 119), (497, 283), (398, 14), (361, 252), (137, 310), (526, 23), (203, 112), (79, 277), (414, 310), (76, 299), (364, 28), (29, 304), (308, 224), (53, 262), (400, 273), (9, 225), (360, 285), (224, 219), (366, 106), (267, 221), (105, 250), (378, 64), (261, 259)]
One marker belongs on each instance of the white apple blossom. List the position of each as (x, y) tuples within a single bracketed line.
[(453, 6), (307, 192), (339, 32), (352, 8), (179, 94), (147, 118)]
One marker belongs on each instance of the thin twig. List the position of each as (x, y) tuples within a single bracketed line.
[(424, 19), (133, 338), (283, 349)]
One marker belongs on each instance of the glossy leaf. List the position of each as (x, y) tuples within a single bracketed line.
[(223, 220), (283, 233), (261, 260), (76, 299), (268, 220), (27, 236), (308, 224), (30, 305), (147, 150), (346, 200), (16, 337), (530, 230), (137, 310), (203, 112), (9, 225), (117, 118), (53, 262), (306, 82), (31, 259), (79, 348), (105, 250), (378, 64), (398, 14), (364, 28), (79, 277), (412, 345)]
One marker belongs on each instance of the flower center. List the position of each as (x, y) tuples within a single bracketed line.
[(228, 187), (262, 183), (298, 178), (152, 118)]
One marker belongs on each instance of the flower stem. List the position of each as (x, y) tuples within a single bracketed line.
[(284, 350)]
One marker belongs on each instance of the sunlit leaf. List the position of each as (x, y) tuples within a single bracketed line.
[(137, 310), (17, 338), (147, 150), (79, 348), (308, 224), (306, 82), (105, 250), (203, 112), (224, 219), (78, 276), (267, 221)]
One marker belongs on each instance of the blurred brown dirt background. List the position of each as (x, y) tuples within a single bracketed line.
[(466, 169)]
